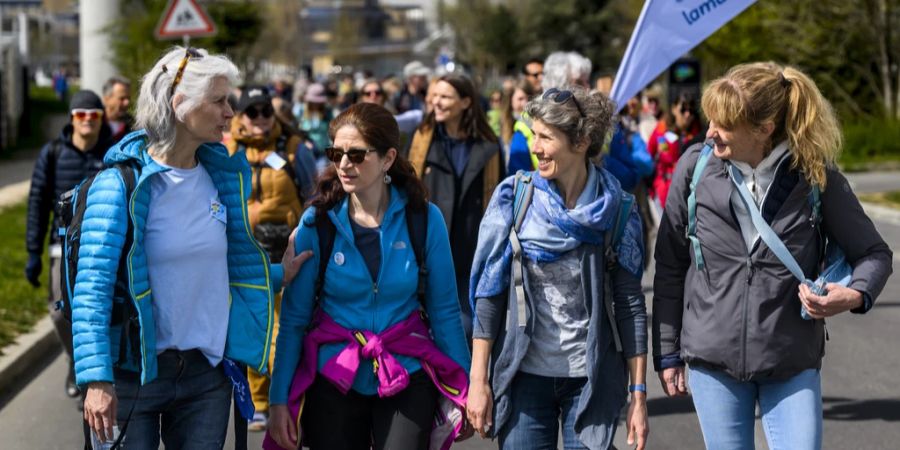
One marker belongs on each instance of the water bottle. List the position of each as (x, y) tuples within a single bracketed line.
[(97, 444)]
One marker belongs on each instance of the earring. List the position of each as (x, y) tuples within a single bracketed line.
[(387, 178)]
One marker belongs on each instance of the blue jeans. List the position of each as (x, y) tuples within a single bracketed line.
[(791, 409), (538, 406), (188, 404)]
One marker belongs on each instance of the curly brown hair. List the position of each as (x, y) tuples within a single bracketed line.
[(379, 130)]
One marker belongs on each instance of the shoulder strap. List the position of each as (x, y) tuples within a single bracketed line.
[(611, 258), (765, 231), (692, 205), (325, 231), (418, 149), (815, 202), (523, 190), (417, 226)]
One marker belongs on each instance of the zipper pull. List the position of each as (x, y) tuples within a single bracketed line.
[(375, 287), (749, 271)]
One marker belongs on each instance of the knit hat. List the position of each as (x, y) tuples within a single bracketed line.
[(85, 99), (253, 95)]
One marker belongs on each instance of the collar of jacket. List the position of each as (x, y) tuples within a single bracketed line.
[(213, 155), (340, 214)]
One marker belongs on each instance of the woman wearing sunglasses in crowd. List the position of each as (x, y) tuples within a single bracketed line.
[(178, 249), (407, 122), (353, 344), (458, 157), (562, 344), (275, 201)]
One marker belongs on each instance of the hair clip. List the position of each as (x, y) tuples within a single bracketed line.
[(784, 81), (165, 69)]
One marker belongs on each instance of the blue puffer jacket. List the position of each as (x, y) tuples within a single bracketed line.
[(105, 224), (355, 302)]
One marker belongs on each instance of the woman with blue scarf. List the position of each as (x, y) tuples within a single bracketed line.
[(561, 343)]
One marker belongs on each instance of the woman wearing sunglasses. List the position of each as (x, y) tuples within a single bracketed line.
[(458, 157), (566, 332), (355, 358), (178, 251)]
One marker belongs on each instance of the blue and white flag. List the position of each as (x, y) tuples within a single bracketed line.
[(666, 30)]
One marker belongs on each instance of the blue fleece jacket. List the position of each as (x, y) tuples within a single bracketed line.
[(357, 302)]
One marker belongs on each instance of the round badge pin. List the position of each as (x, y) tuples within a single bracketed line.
[(339, 258)]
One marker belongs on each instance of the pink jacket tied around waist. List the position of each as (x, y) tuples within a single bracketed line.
[(410, 337)]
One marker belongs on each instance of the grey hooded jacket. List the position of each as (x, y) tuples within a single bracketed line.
[(741, 313)]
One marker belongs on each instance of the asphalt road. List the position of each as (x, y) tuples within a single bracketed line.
[(861, 394)]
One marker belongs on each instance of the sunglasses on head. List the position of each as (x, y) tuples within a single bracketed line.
[(562, 96), (87, 114), (355, 155), (189, 53), (267, 111)]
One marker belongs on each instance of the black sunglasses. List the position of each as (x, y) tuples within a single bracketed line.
[(562, 96), (355, 155), (267, 111)]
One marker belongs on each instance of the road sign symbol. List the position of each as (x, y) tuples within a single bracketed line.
[(184, 18)]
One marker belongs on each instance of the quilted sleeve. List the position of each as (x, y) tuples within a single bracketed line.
[(102, 239)]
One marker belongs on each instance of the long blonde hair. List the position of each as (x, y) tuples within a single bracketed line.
[(756, 93)]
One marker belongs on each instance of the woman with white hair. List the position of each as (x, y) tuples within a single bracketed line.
[(172, 248)]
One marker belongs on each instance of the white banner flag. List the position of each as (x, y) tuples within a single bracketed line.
[(666, 30)]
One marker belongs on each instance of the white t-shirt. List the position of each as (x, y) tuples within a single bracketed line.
[(187, 258)]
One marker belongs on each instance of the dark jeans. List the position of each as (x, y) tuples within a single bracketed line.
[(335, 421), (538, 406), (187, 405)]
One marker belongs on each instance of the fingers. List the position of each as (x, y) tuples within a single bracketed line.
[(682, 381), (630, 439), (302, 258)]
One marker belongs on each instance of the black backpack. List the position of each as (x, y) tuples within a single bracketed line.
[(70, 209), (416, 225)]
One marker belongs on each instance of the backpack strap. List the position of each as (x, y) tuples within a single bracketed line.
[(326, 232), (815, 203), (417, 226), (128, 311), (523, 190), (691, 231), (611, 242)]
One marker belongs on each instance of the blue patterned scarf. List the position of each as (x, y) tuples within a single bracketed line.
[(550, 229)]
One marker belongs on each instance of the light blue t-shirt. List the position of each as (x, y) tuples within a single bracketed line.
[(187, 259)]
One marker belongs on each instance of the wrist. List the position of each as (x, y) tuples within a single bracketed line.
[(637, 388)]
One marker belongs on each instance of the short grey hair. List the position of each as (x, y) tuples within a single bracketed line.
[(561, 69), (113, 81), (154, 105), (591, 123)]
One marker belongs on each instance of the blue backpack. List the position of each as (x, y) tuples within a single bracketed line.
[(834, 267), (523, 192)]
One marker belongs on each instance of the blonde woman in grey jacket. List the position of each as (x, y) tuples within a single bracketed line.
[(724, 302)]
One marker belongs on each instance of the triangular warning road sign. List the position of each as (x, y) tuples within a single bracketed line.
[(184, 18)]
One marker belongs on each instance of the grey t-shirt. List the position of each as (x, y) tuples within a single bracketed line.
[(557, 346)]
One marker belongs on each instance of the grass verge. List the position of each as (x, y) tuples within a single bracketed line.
[(42, 104), (21, 305), (888, 199)]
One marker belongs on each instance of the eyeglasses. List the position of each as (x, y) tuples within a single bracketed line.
[(355, 155), (562, 96), (267, 111), (87, 114), (189, 53), (375, 93)]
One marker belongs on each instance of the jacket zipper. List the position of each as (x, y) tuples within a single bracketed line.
[(744, 318)]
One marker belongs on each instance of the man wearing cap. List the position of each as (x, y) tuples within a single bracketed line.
[(63, 162), (412, 96)]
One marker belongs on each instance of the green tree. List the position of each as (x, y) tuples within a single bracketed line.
[(134, 49)]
